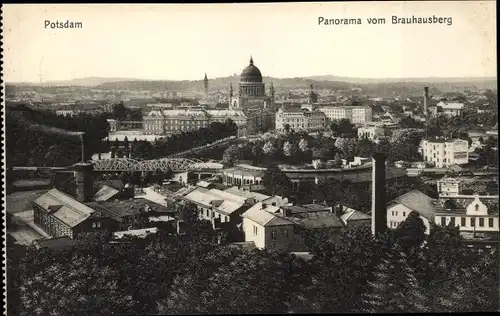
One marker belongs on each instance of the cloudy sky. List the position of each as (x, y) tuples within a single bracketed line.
[(184, 41)]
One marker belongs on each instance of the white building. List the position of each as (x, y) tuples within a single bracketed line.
[(67, 112), (449, 187), (370, 132), (164, 122), (443, 153), (451, 108), (355, 114), (298, 119), (471, 213), (277, 227), (399, 209)]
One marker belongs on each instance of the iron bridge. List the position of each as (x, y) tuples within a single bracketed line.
[(127, 164)]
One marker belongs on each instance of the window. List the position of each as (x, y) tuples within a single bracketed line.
[(476, 207), (254, 230), (285, 233), (96, 224), (490, 222), (462, 221), (443, 221), (481, 222), (473, 222), (208, 213), (404, 213), (452, 221), (396, 213), (273, 234)]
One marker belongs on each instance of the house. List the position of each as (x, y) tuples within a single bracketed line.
[(449, 186), (451, 108), (471, 213), (59, 215), (276, 227), (445, 152), (399, 209), (127, 213), (371, 132), (266, 229), (351, 217), (219, 206), (476, 216)]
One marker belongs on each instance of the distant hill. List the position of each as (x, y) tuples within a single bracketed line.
[(220, 84), (380, 87), (83, 82), (430, 80)]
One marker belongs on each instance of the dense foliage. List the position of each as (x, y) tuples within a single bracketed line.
[(358, 195), (289, 147), (122, 113), (175, 143), (192, 274), (41, 138)]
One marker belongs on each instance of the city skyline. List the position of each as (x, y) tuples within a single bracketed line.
[(182, 42)]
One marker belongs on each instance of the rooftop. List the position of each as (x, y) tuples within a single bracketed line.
[(224, 202), (314, 220), (350, 214), (258, 196), (264, 215), (418, 202), (105, 193), (119, 209), (245, 171), (64, 207)]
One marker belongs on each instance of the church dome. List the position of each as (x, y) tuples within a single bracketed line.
[(251, 73)]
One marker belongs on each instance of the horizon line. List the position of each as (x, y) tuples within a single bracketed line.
[(296, 77)]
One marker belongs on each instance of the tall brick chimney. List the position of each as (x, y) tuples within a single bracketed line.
[(84, 181), (379, 207), (426, 103)]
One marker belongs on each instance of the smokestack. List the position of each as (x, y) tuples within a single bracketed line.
[(84, 182), (379, 207), (426, 102)]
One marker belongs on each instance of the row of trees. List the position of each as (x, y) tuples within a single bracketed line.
[(301, 148), (191, 274), (175, 143), (122, 113)]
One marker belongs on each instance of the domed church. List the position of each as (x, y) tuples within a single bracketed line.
[(251, 90)]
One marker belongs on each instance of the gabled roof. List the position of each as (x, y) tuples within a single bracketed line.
[(452, 105), (230, 202), (314, 220), (265, 217), (105, 193), (353, 215), (418, 202), (258, 196), (68, 210)]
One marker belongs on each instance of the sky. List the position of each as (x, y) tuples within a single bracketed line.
[(183, 42)]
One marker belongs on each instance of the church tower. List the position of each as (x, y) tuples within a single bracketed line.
[(205, 86), (313, 97), (271, 93), (230, 95)]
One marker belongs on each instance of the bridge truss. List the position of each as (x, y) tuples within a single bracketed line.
[(127, 164)]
